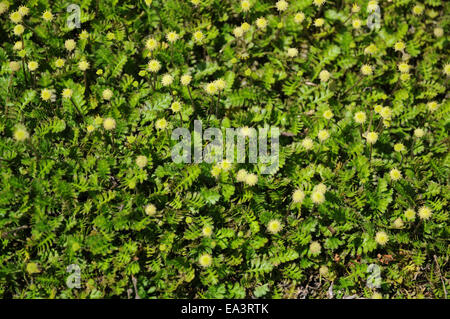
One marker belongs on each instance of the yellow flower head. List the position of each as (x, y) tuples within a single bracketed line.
[(323, 270), (220, 84), (151, 44), (315, 248), (323, 135), (211, 88), (403, 67), (372, 5), (107, 94), (432, 106), (372, 137), (161, 124), (83, 65), (20, 133), (381, 238), (399, 147), (386, 113), (90, 128), (238, 32), (245, 26), (418, 132), (418, 9), (32, 268), (447, 69), (318, 197), (298, 196), (225, 165), (109, 124), (245, 5), (46, 95), (176, 107), (167, 80), (172, 36), (328, 114), (18, 46), (410, 214), (322, 188), (150, 209), (67, 93), (70, 44), (438, 32), (4, 6), (186, 79), (399, 46), (19, 29), (261, 23), (33, 65), (398, 223), (47, 15), (241, 175), (251, 179), (215, 171), (292, 52), (319, 3), (371, 49), (395, 174), (366, 69), (281, 5), (299, 17), (205, 260), (307, 143), (141, 161), (84, 35), (360, 117), (274, 226), (198, 36), (207, 231), (356, 23), (153, 66), (59, 63), (14, 66), (324, 75), (405, 76), (319, 22), (16, 17), (424, 212), (355, 8)]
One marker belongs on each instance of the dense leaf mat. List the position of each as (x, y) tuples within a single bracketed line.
[(356, 209)]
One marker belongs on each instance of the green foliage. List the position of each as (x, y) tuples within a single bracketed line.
[(87, 178)]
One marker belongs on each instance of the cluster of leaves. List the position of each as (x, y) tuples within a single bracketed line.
[(72, 192)]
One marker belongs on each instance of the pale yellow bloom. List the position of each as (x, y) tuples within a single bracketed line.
[(67, 93), (109, 124), (424, 212), (274, 226), (251, 179), (205, 260), (372, 137), (298, 196), (47, 15), (70, 44), (141, 161), (381, 238), (150, 209), (282, 5)]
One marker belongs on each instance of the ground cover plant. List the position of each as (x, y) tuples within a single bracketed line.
[(93, 206)]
